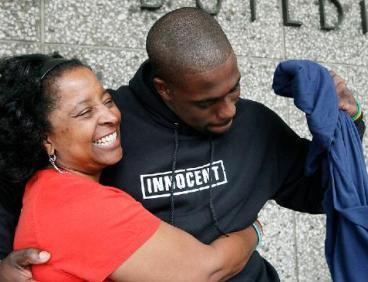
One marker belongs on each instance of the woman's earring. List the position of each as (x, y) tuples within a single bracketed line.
[(52, 160)]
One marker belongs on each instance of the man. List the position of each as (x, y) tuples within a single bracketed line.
[(197, 155)]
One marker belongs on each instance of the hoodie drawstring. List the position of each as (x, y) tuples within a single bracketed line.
[(212, 206), (173, 182), (173, 178)]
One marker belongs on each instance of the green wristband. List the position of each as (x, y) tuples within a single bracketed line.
[(359, 111), (259, 233)]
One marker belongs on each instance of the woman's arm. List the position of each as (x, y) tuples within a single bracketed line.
[(169, 255), (174, 255), (110, 232)]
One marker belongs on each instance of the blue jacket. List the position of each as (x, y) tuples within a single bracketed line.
[(337, 149)]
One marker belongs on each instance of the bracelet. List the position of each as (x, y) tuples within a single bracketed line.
[(257, 227), (359, 111), (359, 118)]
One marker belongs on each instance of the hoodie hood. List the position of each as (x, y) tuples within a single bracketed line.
[(143, 89)]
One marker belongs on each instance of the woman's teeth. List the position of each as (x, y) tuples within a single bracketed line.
[(106, 140)]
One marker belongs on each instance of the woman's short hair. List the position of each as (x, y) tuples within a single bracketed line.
[(28, 93)]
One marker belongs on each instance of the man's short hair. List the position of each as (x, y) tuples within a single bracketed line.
[(186, 40)]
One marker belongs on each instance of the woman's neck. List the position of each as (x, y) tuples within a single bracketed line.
[(93, 176)]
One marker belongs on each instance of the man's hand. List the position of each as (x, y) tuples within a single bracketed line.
[(16, 266), (345, 97)]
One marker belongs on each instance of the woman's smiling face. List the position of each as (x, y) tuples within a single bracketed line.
[(85, 133)]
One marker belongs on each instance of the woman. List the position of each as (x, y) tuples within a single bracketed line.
[(60, 128)]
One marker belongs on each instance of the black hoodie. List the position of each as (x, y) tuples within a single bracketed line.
[(221, 182)]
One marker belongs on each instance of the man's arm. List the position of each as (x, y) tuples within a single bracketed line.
[(305, 193), (10, 205), (8, 221), (15, 267), (348, 103)]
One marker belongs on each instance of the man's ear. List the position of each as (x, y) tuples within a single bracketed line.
[(162, 88), (49, 146)]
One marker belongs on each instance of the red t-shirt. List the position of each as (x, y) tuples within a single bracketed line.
[(88, 228)]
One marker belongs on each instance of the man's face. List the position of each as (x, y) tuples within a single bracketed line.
[(206, 100)]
